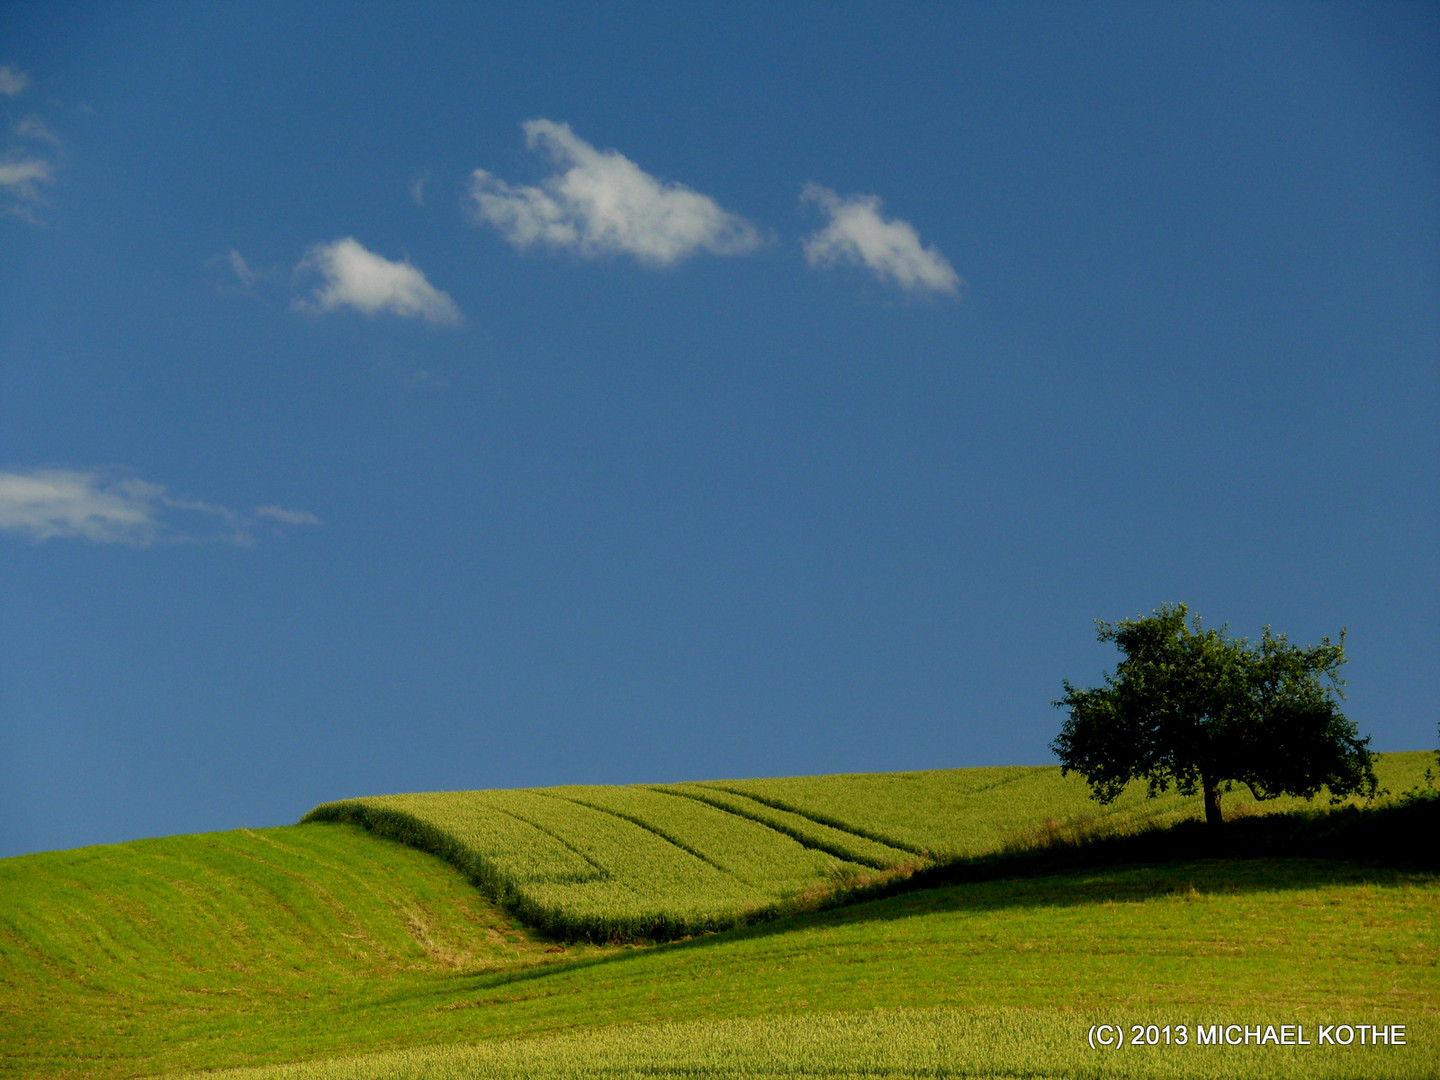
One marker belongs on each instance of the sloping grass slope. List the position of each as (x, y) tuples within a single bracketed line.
[(318, 942), (666, 860), (987, 979), (276, 940), (321, 941)]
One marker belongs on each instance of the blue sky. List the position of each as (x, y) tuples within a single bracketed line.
[(461, 396)]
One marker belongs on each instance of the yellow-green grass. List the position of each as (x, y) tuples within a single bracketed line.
[(318, 942), (321, 941), (882, 1043), (664, 861), (120, 959), (950, 813)]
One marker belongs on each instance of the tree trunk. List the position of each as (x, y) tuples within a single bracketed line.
[(1212, 802)]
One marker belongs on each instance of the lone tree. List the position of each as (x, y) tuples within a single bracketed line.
[(1201, 709)]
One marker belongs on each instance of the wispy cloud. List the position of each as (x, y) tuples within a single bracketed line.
[(23, 167), (287, 517), (12, 82), (356, 278), (237, 263), (859, 235), (19, 177), (49, 504), (33, 127), (237, 275), (602, 203)]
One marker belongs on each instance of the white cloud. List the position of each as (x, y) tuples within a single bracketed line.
[(19, 177), (48, 504), (360, 279), (859, 235), (242, 269), (12, 82), (602, 203), (22, 172)]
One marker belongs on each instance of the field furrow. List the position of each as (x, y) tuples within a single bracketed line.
[(668, 837), (841, 844), (772, 862), (819, 817)]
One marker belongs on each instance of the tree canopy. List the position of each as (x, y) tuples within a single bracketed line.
[(1199, 709)]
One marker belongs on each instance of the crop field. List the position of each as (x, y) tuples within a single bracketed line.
[(322, 951), (666, 860)]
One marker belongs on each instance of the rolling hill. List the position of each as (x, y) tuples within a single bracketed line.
[(660, 861), (324, 951)]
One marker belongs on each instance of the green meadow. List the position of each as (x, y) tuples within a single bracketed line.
[(324, 950)]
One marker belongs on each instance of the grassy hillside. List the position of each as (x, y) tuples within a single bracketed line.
[(324, 945), (113, 957), (665, 860), (1003, 970)]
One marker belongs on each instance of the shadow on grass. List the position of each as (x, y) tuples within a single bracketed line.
[(1399, 835), (1383, 846)]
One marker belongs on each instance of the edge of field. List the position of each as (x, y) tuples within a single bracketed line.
[(550, 919)]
